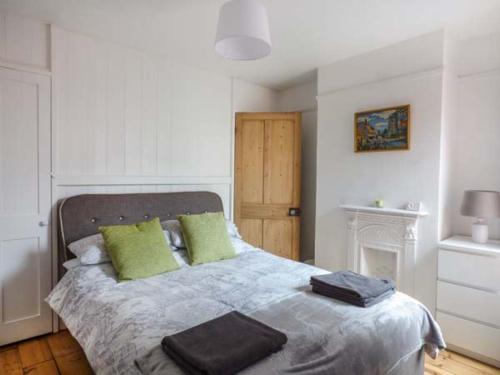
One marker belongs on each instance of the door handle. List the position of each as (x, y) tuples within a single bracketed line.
[(294, 211), (43, 224)]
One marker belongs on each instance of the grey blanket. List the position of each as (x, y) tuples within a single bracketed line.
[(116, 323), (326, 336)]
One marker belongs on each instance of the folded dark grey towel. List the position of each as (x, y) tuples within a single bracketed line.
[(361, 302), (353, 288), (224, 345)]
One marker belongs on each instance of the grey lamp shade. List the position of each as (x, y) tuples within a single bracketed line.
[(481, 203)]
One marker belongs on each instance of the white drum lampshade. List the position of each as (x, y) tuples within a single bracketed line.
[(243, 31), (481, 204)]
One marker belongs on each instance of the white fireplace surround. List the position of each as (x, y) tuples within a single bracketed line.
[(382, 242)]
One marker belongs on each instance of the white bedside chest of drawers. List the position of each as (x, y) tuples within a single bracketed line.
[(468, 297)]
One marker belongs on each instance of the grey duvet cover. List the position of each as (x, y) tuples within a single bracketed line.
[(120, 325)]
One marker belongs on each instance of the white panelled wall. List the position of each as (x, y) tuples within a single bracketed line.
[(126, 118), (129, 121)]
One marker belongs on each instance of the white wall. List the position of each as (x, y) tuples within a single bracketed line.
[(478, 55), (476, 157), (249, 97), (449, 118), (414, 55), (397, 177), (302, 98)]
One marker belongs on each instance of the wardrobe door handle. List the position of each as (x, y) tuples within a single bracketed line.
[(43, 224)]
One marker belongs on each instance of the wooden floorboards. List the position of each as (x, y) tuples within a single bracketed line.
[(57, 354), (60, 354), (450, 363)]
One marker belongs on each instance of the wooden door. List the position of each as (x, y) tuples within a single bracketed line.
[(267, 181), (25, 255)]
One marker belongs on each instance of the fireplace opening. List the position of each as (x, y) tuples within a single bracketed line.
[(379, 263)]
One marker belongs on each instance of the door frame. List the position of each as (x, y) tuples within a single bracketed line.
[(296, 193)]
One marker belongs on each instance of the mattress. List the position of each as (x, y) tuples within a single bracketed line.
[(120, 325)]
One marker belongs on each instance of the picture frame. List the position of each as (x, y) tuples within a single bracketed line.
[(384, 129)]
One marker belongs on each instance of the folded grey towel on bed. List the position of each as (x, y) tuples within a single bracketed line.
[(353, 288), (224, 345), (361, 302)]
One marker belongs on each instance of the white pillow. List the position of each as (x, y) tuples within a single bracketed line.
[(174, 229), (181, 257), (232, 229), (91, 249), (72, 263)]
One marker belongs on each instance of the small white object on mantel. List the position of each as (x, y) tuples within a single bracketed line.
[(382, 242), (414, 206)]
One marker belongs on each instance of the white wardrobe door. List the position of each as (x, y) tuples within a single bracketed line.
[(25, 257)]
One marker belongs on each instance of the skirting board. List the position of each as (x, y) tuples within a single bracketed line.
[(470, 354)]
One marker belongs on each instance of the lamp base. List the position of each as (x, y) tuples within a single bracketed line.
[(480, 231)]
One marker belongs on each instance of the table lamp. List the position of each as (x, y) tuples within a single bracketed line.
[(481, 204)]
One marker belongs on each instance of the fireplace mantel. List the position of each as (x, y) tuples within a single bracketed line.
[(383, 243), (384, 211)]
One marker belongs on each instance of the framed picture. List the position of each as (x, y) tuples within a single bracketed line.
[(386, 129)]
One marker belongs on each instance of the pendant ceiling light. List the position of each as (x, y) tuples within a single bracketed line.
[(243, 31)]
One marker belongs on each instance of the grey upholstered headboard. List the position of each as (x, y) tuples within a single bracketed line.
[(80, 216)]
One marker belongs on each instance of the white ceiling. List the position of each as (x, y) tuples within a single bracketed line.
[(306, 34)]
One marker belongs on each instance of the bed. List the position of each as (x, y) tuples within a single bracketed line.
[(120, 325)]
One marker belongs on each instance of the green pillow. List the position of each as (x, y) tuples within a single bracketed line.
[(138, 250), (206, 237)]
